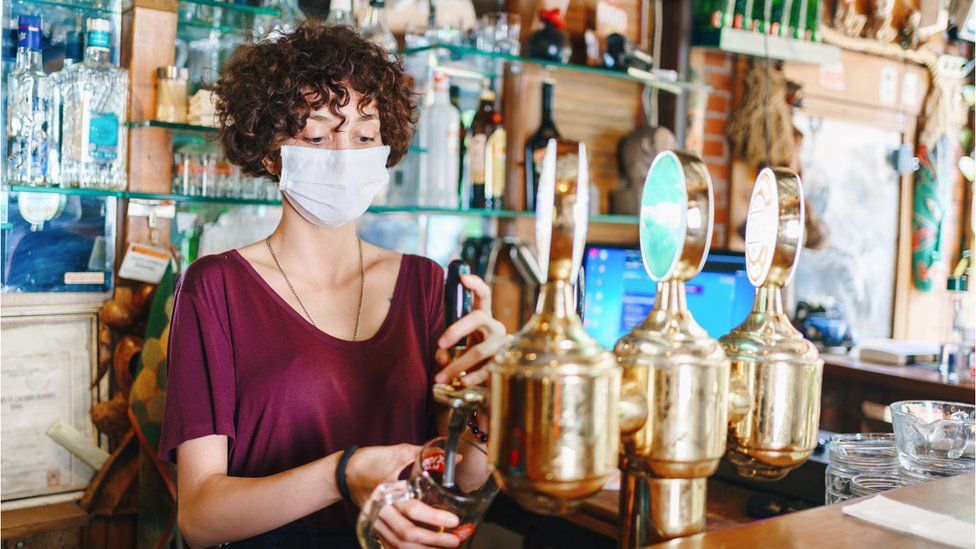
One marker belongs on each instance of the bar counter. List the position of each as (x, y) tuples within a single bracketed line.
[(595, 526), (909, 381), (829, 527)]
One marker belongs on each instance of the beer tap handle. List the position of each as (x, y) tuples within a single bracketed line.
[(458, 300)]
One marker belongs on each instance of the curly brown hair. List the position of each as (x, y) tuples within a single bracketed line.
[(267, 90)]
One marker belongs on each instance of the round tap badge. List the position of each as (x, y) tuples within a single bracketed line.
[(581, 211), (761, 227), (663, 223)]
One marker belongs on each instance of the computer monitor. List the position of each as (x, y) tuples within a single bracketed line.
[(619, 293)]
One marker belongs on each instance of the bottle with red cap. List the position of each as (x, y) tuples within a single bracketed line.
[(550, 42)]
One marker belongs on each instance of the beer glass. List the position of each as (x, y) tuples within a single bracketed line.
[(469, 498)]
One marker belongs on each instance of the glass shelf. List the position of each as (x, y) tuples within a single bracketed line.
[(73, 192), (184, 26), (757, 44), (459, 53), (93, 8), (175, 126), (234, 7), (415, 210)]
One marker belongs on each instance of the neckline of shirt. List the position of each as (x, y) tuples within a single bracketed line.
[(381, 333)]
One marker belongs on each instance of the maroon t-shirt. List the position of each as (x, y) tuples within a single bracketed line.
[(245, 364)]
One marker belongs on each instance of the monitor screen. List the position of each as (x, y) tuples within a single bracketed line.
[(619, 293)]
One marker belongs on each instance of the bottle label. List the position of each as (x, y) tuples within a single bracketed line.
[(495, 163), (103, 136), (29, 150), (537, 156), (99, 39), (477, 148)]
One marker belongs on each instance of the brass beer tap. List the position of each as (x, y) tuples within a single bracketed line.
[(670, 360), (776, 373), (555, 391)]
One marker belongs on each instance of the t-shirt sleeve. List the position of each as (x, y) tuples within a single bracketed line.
[(201, 390)]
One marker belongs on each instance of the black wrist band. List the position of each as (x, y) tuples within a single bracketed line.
[(341, 473)]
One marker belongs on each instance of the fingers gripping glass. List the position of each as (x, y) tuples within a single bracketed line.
[(473, 492)]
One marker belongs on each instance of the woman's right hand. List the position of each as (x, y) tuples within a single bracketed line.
[(397, 524)]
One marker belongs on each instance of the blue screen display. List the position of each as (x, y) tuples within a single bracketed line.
[(619, 294)]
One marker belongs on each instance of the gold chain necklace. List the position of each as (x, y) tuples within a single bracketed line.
[(362, 286)]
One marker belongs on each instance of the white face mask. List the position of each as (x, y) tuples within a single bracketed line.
[(332, 187)]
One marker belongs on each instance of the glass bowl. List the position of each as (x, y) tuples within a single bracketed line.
[(872, 483), (935, 438)]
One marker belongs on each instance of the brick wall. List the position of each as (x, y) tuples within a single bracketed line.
[(716, 68)]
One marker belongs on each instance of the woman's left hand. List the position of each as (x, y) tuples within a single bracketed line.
[(486, 337)]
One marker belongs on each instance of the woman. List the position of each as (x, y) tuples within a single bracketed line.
[(286, 353)]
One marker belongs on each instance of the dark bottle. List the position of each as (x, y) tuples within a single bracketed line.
[(550, 42), (455, 92), (535, 147), (717, 14), (486, 122), (743, 14)]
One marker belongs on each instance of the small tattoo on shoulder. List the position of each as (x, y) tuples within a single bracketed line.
[(390, 299)]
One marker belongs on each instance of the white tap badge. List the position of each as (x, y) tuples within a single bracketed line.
[(545, 204), (581, 211), (761, 227)]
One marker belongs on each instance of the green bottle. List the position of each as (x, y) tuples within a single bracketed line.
[(774, 22), (814, 12), (787, 24), (800, 19), (762, 12), (722, 13), (745, 16)]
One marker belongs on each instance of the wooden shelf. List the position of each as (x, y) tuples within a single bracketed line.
[(761, 45)]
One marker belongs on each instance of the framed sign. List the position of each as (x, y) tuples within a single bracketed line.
[(47, 364)]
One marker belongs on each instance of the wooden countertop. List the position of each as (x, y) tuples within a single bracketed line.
[(829, 527), (726, 508), (907, 378)]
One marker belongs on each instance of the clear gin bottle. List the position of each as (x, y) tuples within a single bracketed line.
[(31, 147), (95, 97)]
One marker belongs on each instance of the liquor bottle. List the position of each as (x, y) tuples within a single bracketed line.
[(718, 14), (9, 45), (486, 122), (535, 147), (799, 19), (550, 42), (95, 97), (761, 14), (74, 48), (375, 28), (74, 53), (787, 21), (814, 12), (340, 12), (441, 120), (496, 155), (463, 165), (774, 24), (30, 111), (272, 26), (744, 12)]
